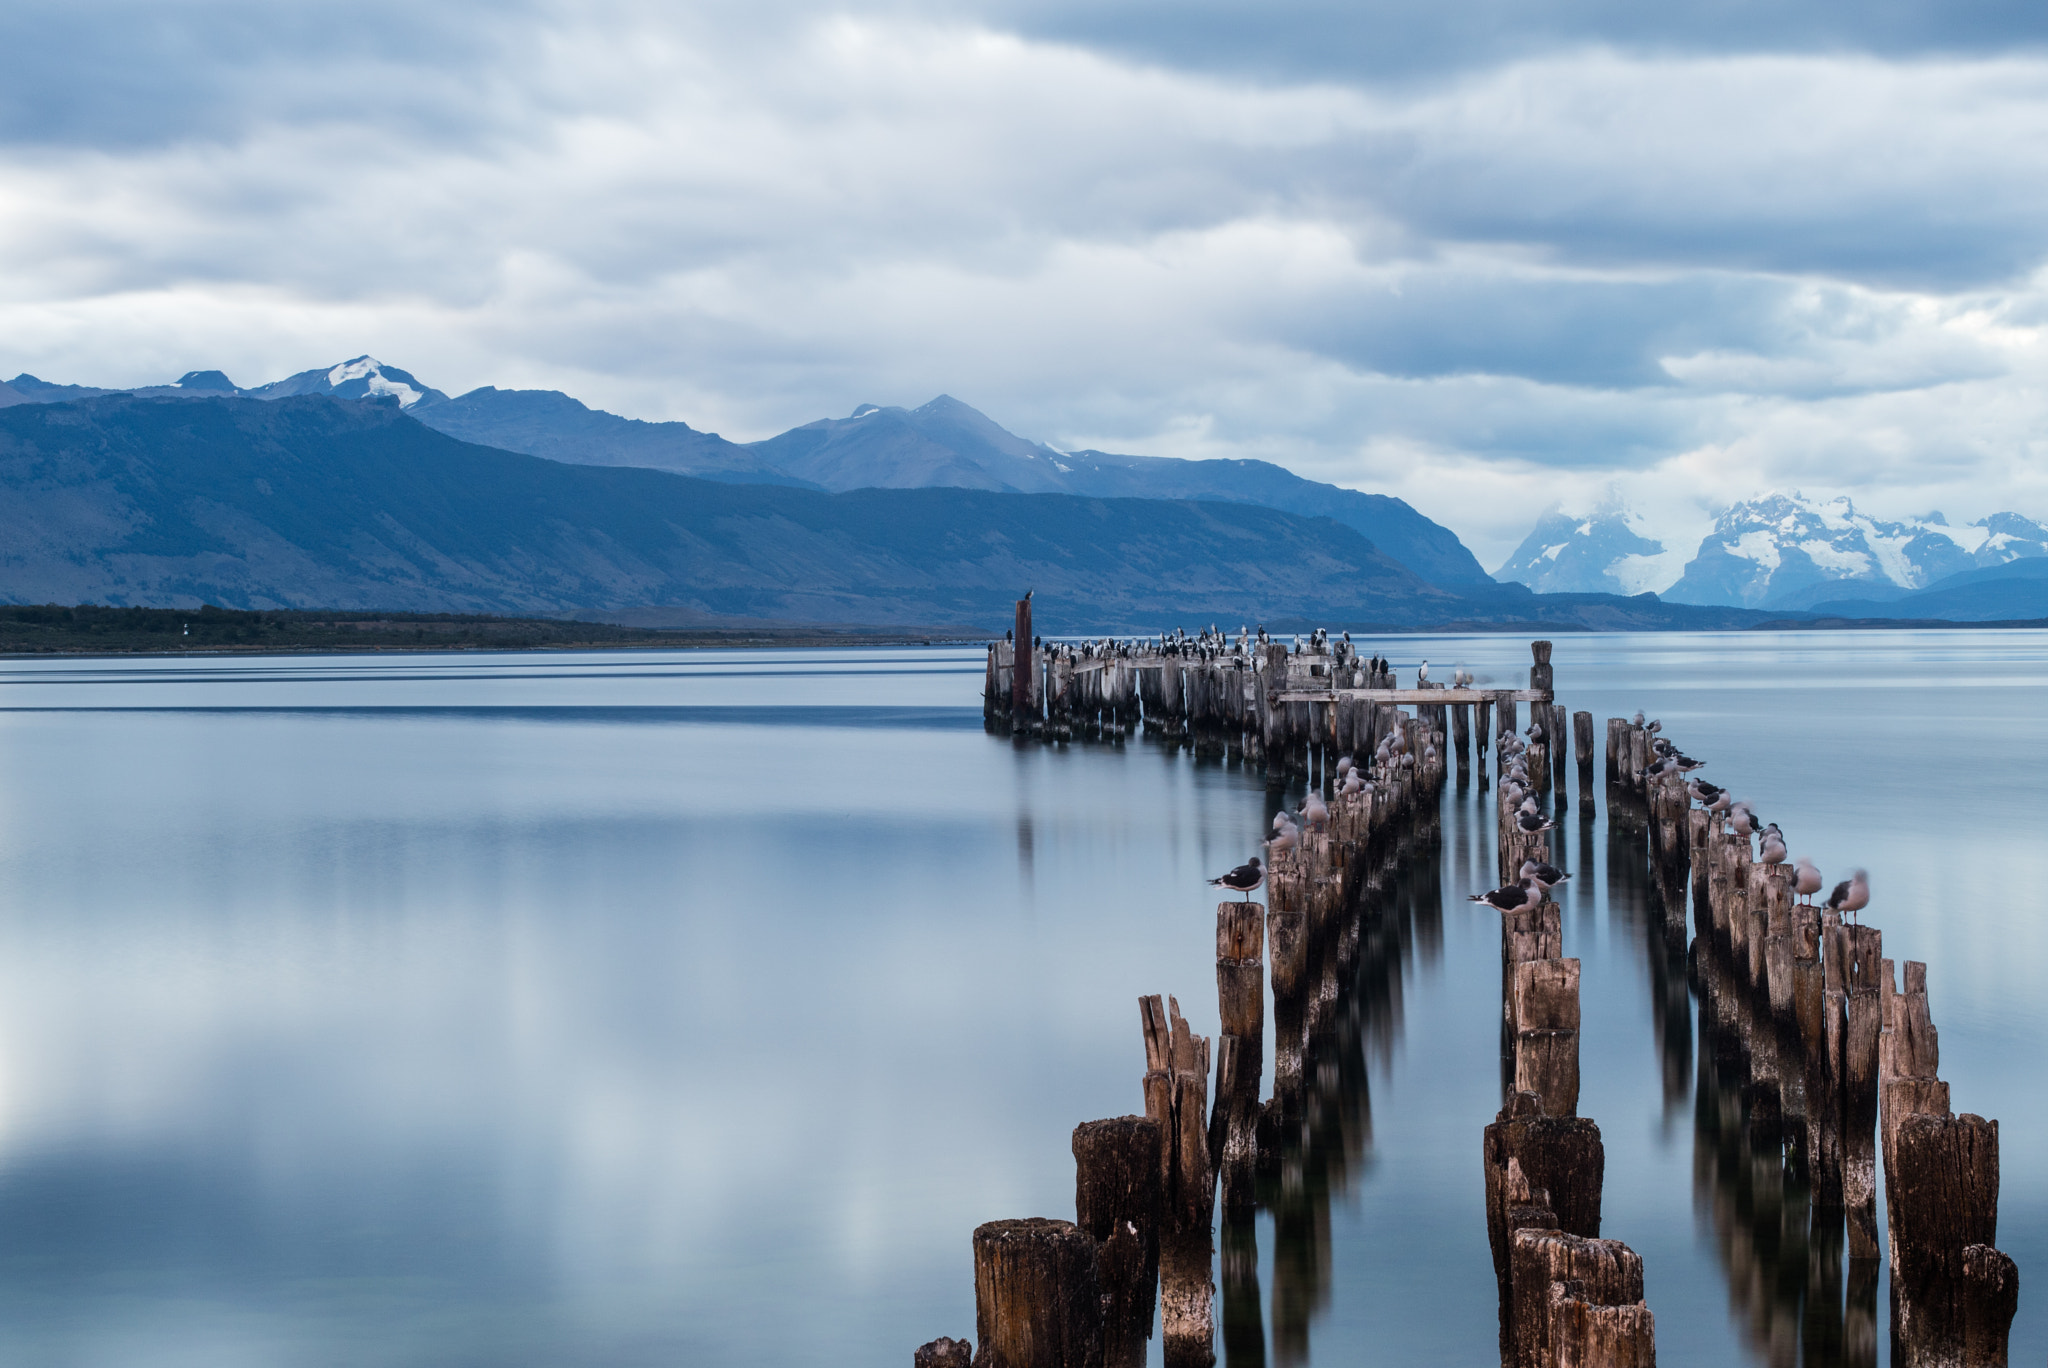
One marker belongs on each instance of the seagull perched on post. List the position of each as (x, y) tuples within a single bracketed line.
[(1851, 895), (1512, 897), (1422, 674), (1773, 852), (1549, 875), (1242, 879), (1806, 879)]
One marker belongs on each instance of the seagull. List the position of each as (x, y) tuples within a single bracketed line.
[(1721, 802), (1242, 879), (1549, 875), (1852, 895), (1422, 674), (1773, 852), (1532, 822), (1512, 897), (1743, 819), (1638, 719), (1317, 811), (1806, 879)]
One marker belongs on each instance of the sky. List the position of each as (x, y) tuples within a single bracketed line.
[(1487, 257)]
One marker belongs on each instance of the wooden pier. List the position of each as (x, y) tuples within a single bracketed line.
[(1814, 1069)]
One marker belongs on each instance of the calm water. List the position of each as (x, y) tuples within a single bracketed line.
[(655, 1009)]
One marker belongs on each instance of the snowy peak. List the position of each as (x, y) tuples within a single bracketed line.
[(364, 377), (1789, 551), (1605, 552)]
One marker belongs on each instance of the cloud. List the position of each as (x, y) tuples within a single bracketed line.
[(1520, 264)]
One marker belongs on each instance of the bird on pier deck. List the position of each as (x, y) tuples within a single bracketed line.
[(1422, 674), (1806, 879), (1242, 879), (1851, 895), (1514, 897), (1549, 875)]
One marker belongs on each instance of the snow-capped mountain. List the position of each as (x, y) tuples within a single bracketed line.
[(1789, 551), (1603, 553), (357, 379)]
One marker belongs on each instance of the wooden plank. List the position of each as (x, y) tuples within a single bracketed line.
[(1414, 695)]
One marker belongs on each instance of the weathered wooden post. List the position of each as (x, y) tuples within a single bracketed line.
[(1956, 1293), (1461, 737), (1117, 1166), (1025, 668), (1582, 751), (1036, 1301), (944, 1353), (1187, 1251), (1562, 1156), (1546, 1010), (1577, 1301), (1241, 1003), (1864, 1021), (1287, 942)]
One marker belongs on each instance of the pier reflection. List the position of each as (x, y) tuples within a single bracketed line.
[(1784, 1260), (1318, 1161)]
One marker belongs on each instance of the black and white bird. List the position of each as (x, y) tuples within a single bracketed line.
[(1532, 822), (1512, 897), (1549, 875), (1851, 895), (1422, 674), (1242, 879), (1773, 850)]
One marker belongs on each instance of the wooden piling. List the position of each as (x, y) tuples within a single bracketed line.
[(1187, 1249), (1582, 749), (1241, 1004), (1036, 1300), (1589, 1273), (1955, 1293), (1117, 1165), (1546, 1007), (1561, 1155)]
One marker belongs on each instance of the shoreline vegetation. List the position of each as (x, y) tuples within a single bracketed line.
[(94, 630)]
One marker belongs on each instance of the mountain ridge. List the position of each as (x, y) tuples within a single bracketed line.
[(312, 501), (943, 443)]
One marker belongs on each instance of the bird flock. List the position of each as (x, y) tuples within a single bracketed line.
[(1393, 755), (1534, 882)]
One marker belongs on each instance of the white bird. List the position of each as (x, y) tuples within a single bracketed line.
[(1773, 851), (1317, 812), (1806, 879), (1422, 674)]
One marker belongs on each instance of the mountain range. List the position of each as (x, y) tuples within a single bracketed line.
[(1784, 552), (313, 501), (944, 443)]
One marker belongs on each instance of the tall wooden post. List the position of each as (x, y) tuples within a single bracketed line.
[(1021, 691), (1117, 1169)]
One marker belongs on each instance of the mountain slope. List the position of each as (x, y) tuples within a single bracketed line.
[(549, 423), (1428, 548), (1600, 554), (2011, 592), (943, 443), (1788, 551), (312, 501)]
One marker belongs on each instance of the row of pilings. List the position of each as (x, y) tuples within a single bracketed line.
[(1817, 1077), (1139, 1258)]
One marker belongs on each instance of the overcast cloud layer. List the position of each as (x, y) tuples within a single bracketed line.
[(1482, 262)]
